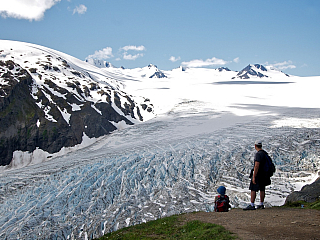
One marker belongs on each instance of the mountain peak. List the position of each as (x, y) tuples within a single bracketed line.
[(261, 67), (252, 71), (153, 72), (152, 66)]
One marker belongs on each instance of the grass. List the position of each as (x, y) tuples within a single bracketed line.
[(175, 228), (299, 204), (171, 228)]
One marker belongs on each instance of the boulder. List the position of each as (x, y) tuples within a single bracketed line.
[(308, 193)]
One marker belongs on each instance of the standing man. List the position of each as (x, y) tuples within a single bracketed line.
[(259, 179)]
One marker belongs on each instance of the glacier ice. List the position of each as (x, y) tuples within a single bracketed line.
[(148, 171)]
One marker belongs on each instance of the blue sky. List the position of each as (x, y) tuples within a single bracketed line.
[(171, 33)]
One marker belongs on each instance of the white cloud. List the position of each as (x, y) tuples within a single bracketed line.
[(174, 59), (134, 48), (128, 56), (25, 9), (283, 65), (81, 9), (236, 60), (200, 63), (101, 54)]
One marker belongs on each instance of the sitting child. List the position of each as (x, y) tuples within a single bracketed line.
[(221, 202)]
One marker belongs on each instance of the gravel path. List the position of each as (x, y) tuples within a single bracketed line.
[(271, 223)]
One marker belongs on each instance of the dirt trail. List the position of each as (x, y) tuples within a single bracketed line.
[(271, 223)]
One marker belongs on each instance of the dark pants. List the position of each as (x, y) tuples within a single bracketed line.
[(257, 187)]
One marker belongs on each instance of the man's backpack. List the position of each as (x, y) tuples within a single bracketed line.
[(269, 167), (222, 204)]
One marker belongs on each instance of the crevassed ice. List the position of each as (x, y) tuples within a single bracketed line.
[(149, 171)]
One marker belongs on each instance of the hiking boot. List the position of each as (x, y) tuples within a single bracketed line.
[(260, 207), (250, 208)]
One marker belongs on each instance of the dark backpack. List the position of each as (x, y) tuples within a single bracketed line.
[(269, 167), (222, 204)]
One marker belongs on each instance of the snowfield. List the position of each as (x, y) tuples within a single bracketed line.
[(202, 137)]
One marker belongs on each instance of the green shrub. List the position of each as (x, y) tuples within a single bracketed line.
[(315, 205), (299, 204)]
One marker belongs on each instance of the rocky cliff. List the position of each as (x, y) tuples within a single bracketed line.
[(49, 100)]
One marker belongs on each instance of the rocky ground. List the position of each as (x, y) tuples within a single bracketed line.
[(271, 223)]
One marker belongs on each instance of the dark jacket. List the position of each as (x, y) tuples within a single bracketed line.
[(262, 178)]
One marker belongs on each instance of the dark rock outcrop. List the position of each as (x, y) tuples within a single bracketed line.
[(309, 193), (252, 70), (53, 105), (221, 69), (158, 74)]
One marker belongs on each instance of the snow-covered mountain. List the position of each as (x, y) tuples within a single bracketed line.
[(99, 63), (150, 71), (50, 100), (259, 71), (200, 137)]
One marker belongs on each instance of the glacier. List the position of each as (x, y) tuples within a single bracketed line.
[(169, 165)]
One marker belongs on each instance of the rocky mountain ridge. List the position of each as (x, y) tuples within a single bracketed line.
[(258, 70), (49, 101), (250, 71)]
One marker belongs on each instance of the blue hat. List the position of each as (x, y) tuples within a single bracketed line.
[(221, 190)]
